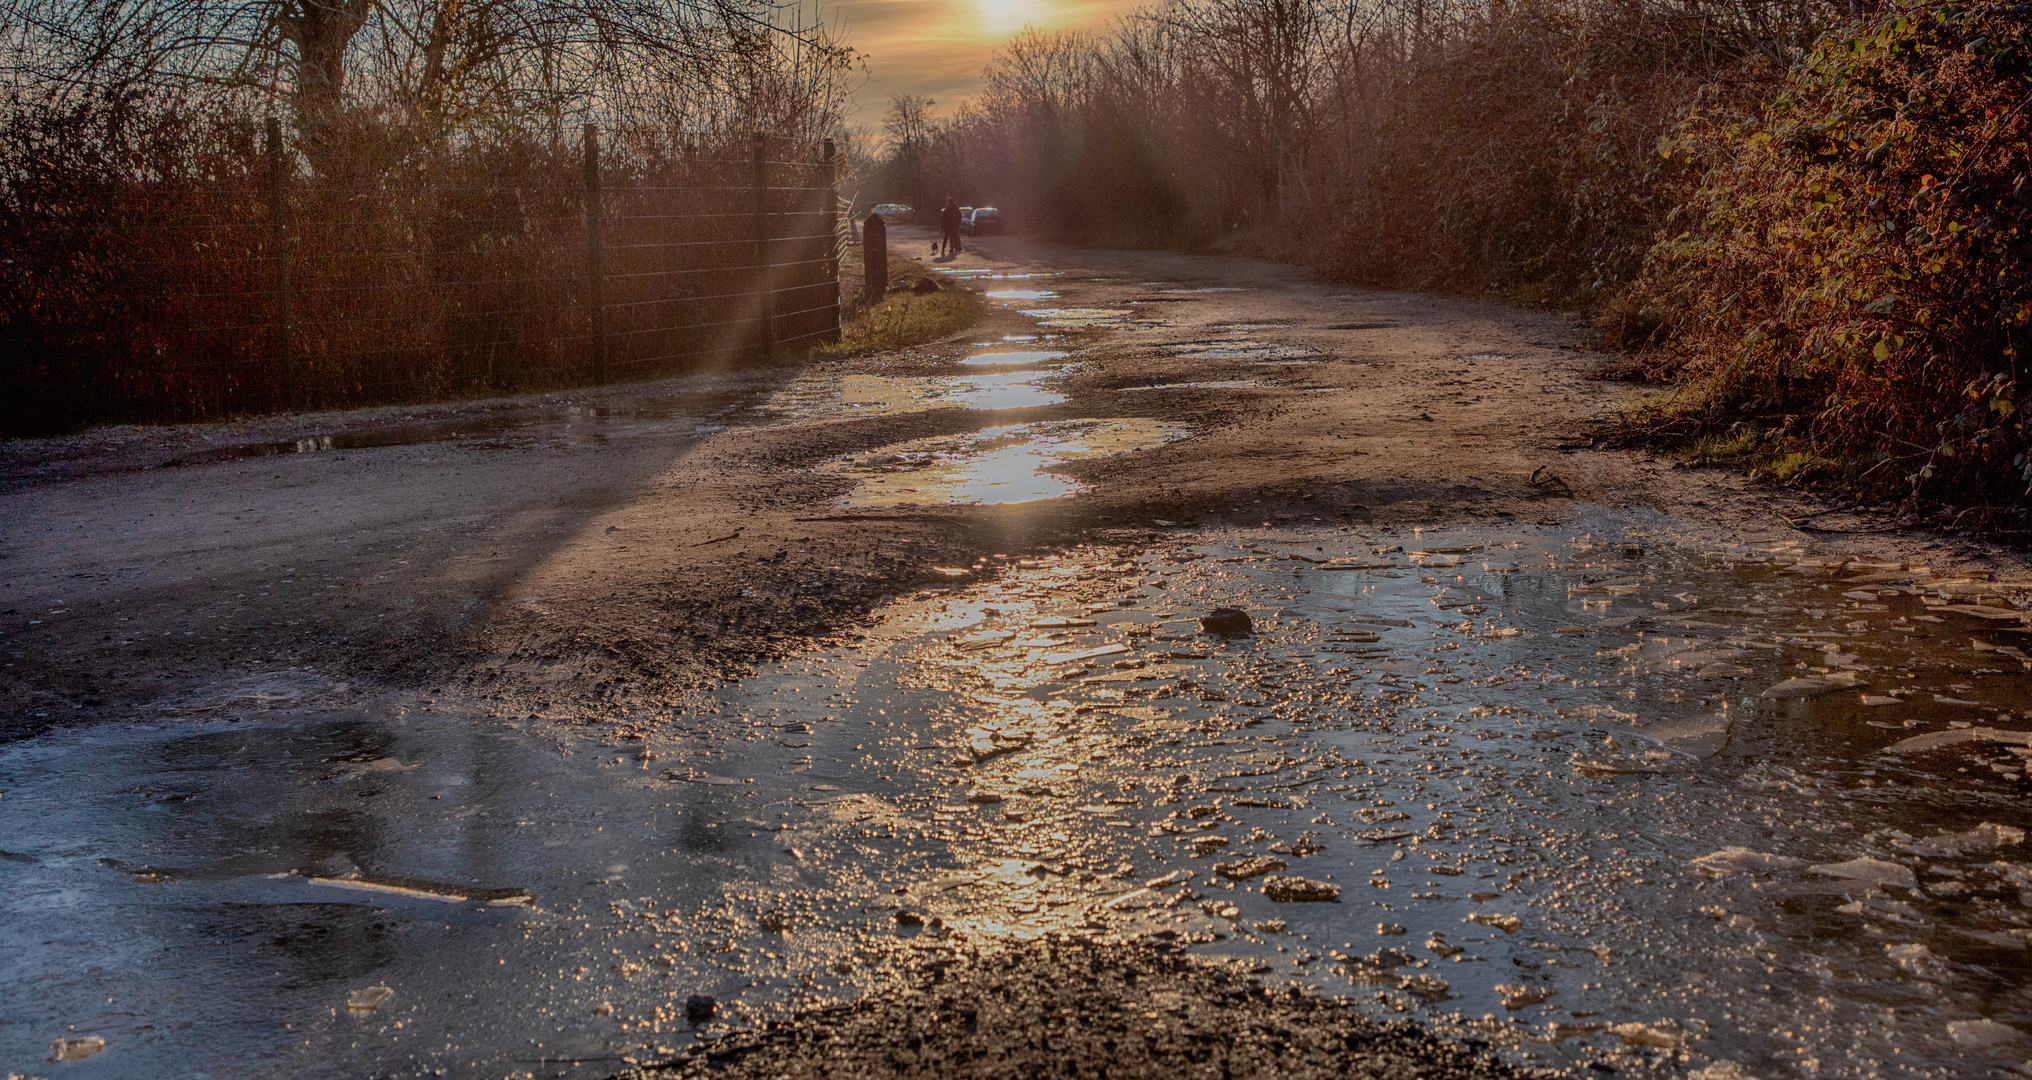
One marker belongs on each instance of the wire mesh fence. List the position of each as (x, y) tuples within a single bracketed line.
[(634, 255)]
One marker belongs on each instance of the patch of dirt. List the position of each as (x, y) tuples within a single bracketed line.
[(1076, 1009)]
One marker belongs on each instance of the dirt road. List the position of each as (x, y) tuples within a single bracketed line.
[(605, 552), (368, 631)]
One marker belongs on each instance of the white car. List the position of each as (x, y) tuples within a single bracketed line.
[(892, 212)]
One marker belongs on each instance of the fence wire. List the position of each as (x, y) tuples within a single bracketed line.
[(169, 301)]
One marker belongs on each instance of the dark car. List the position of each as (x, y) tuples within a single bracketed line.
[(982, 219)]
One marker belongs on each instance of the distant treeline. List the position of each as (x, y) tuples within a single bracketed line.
[(1812, 215)]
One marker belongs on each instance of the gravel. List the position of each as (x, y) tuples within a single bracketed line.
[(1072, 1008)]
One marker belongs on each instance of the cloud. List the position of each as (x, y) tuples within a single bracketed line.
[(937, 48)]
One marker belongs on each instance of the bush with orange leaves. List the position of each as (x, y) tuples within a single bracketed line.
[(1853, 274)]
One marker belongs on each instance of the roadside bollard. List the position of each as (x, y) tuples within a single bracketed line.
[(874, 259)]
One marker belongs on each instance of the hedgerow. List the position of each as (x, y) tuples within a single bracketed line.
[(1850, 275)]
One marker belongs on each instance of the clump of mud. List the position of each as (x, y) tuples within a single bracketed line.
[(1073, 1008)]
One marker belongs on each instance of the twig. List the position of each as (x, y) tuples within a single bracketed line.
[(1819, 529)]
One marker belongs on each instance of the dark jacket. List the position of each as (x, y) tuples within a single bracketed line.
[(949, 218)]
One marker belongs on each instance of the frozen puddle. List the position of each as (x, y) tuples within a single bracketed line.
[(854, 397), (1580, 793), (1077, 318), (1010, 464), (1012, 358), (1238, 350), (1230, 384)]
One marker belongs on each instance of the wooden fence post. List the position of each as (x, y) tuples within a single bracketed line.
[(874, 259), (765, 285), (279, 242), (831, 195), (596, 273)]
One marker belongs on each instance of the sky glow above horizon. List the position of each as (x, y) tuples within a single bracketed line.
[(937, 48)]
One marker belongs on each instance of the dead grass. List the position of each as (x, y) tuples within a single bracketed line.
[(902, 318)]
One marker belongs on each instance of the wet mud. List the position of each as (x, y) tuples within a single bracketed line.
[(1217, 641), (1583, 792)]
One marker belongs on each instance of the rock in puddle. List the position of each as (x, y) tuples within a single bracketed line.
[(1227, 622)]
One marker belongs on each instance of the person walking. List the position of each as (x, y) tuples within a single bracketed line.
[(949, 228)]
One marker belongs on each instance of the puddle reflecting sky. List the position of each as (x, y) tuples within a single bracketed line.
[(1022, 294), (843, 397), (1573, 770), (1238, 350), (1228, 384), (1076, 318), (994, 466)]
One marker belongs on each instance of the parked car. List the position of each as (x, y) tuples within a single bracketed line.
[(983, 219), (893, 213)]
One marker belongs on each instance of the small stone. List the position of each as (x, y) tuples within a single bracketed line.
[(700, 1008), (909, 918), (1298, 890), (1227, 622)]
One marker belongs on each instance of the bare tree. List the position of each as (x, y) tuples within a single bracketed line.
[(435, 64), (907, 129)]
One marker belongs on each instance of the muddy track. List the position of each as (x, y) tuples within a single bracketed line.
[(611, 552), (955, 834)]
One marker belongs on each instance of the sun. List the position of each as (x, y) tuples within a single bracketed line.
[(1000, 18)]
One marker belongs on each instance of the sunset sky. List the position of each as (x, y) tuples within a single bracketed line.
[(937, 47)]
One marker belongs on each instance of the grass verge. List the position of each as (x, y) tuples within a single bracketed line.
[(902, 318)]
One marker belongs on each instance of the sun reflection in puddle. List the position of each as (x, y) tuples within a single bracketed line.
[(1022, 294), (863, 396), (995, 466)]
